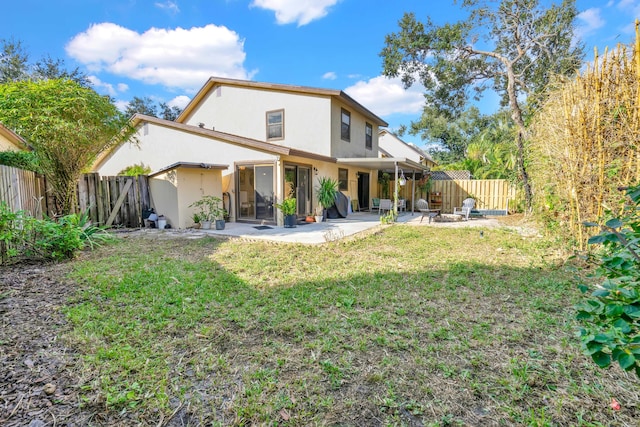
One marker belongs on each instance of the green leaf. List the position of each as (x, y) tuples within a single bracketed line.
[(590, 224), (623, 325), (601, 359), (594, 347), (603, 338), (626, 361), (614, 310), (632, 311), (614, 223), (597, 239)]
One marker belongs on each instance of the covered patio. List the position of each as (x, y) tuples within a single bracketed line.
[(400, 168)]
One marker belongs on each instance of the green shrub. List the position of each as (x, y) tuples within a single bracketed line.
[(610, 315), (20, 159), (25, 237)]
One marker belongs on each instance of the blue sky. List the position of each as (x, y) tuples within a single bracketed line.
[(166, 49)]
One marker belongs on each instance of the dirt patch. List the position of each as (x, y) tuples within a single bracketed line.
[(37, 382)]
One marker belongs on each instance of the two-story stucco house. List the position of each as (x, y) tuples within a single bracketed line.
[(268, 142)]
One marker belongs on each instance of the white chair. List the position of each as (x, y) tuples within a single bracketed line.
[(385, 205), (465, 210), (245, 205)]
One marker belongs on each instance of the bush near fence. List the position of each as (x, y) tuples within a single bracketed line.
[(110, 200)]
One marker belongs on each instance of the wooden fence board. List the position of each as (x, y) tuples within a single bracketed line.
[(490, 194), (22, 190)]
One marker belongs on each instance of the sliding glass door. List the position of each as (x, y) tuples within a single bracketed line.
[(297, 183), (255, 192)]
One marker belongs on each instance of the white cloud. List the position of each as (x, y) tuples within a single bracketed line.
[(107, 88), (169, 6), (384, 96), (178, 58), (300, 11), (591, 21), (329, 76), (180, 101)]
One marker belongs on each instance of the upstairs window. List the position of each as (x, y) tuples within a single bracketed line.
[(345, 131), (275, 125), (368, 136)]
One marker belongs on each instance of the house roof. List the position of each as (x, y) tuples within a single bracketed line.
[(14, 138), (190, 165), (139, 119), (414, 147), (213, 82)]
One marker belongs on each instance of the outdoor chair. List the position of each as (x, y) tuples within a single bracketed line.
[(385, 205), (423, 206), (465, 210), (402, 205), (375, 204)]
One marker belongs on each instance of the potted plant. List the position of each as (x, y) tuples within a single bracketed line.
[(318, 217), (309, 218), (196, 220), (288, 208), (209, 210), (327, 190)]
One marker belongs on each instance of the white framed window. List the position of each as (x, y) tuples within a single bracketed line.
[(275, 125), (345, 129)]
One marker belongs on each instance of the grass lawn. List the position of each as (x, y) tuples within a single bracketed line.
[(408, 326)]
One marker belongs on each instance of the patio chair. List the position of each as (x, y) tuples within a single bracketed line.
[(402, 205), (385, 205), (375, 204), (465, 210), (423, 206)]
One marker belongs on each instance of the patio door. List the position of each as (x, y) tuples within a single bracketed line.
[(255, 192), (363, 190), (297, 182)]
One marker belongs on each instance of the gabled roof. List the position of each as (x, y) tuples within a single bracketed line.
[(14, 138), (213, 82), (414, 147), (139, 119)]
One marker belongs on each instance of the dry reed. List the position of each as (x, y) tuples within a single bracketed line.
[(584, 142)]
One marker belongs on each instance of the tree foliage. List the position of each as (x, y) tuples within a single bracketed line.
[(15, 66), (511, 46), (147, 106), (66, 124)]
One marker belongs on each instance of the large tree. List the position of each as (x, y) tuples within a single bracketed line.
[(66, 124), (15, 66), (147, 106), (511, 46)]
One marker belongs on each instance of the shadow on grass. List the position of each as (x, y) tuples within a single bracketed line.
[(222, 332)]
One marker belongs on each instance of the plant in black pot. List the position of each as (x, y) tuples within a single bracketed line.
[(209, 210), (327, 190), (288, 209)]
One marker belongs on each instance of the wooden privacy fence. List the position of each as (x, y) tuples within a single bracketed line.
[(114, 200), (23, 190), (109, 200), (493, 196)]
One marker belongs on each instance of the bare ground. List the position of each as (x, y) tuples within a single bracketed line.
[(36, 386)]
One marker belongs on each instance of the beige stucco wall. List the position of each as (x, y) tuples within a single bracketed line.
[(356, 147), (242, 111), (172, 192), (7, 145)]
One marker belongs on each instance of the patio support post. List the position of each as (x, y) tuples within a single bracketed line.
[(395, 193), (413, 190)]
